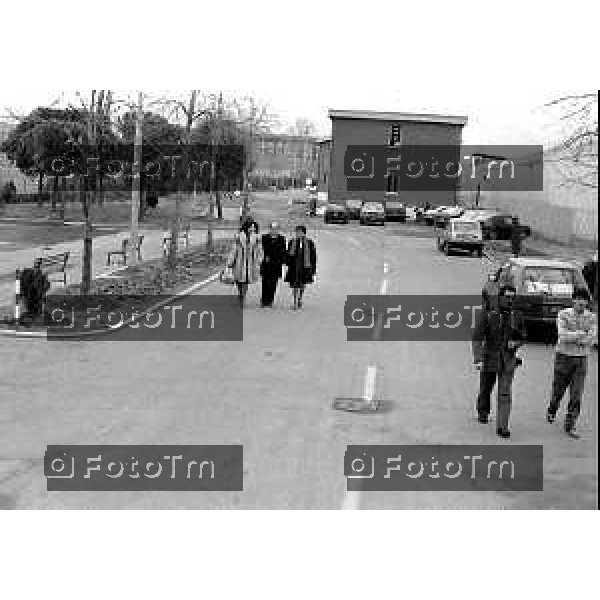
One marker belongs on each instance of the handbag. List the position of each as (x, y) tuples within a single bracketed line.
[(226, 276)]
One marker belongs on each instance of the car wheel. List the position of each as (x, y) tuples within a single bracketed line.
[(446, 249), (480, 252)]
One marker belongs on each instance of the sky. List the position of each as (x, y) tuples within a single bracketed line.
[(497, 64)]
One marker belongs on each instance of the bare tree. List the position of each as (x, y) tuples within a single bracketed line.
[(577, 154)]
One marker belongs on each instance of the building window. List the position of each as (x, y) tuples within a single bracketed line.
[(395, 135)]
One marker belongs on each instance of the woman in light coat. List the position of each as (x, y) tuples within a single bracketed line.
[(246, 257)]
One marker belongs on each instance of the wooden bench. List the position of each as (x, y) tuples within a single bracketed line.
[(184, 235), (53, 264), (124, 250)]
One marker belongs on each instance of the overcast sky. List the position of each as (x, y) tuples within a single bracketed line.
[(497, 64)]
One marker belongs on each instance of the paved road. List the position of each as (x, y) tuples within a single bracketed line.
[(273, 394)]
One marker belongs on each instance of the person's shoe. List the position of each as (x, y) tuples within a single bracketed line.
[(299, 303), (550, 416), (570, 431), (483, 418), (503, 432)]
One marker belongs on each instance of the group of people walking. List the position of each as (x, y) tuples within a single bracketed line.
[(253, 257), (498, 335)]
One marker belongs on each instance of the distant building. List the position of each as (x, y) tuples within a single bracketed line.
[(357, 127), (566, 210), (281, 159)]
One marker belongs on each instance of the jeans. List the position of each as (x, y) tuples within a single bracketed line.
[(487, 380), (569, 372)]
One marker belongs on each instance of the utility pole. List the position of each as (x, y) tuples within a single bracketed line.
[(137, 178), (216, 140), (86, 272)]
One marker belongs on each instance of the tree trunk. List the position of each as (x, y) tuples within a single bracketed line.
[(40, 188), (54, 193), (86, 273)]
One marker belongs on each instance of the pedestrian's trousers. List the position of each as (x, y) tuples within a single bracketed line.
[(487, 380), (269, 287), (569, 372)]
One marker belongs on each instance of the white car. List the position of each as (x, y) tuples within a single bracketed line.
[(372, 212)]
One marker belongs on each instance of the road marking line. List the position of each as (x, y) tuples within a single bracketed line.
[(386, 267), (351, 501), (352, 498), (370, 383), (384, 285)]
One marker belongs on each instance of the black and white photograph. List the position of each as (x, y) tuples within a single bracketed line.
[(301, 264)]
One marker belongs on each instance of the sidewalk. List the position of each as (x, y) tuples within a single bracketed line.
[(151, 249)]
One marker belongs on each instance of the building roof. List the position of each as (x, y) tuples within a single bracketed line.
[(397, 116)]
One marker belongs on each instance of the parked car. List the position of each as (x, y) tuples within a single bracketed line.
[(460, 234), (395, 211), (500, 227), (335, 213), (447, 213), (353, 208), (411, 213), (429, 215), (372, 212), (544, 286)]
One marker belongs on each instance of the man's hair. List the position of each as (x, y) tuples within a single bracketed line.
[(581, 294), (301, 228)]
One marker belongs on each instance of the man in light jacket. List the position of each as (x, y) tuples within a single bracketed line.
[(577, 332)]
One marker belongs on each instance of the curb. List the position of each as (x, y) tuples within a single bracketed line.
[(78, 335)]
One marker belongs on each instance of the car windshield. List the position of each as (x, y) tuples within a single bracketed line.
[(550, 275), (465, 227), (552, 280)]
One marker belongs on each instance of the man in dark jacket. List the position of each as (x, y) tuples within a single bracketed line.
[(516, 237), (274, 257), (590, 274), (497, 337)]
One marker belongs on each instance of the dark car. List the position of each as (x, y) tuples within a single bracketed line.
[(395, 211), (353, 208), (335, 213), (500, 227), (544, 287)]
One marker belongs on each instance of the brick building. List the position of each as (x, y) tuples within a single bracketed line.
[(355, 127)]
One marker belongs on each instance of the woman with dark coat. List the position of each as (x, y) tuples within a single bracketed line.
[(274, 257), (301, 263)]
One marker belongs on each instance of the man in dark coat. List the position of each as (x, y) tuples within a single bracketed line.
[(516, 238), (590, 274), (497, 337), (274, 257)]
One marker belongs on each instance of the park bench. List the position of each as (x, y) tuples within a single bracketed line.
[(124, 250), (183, 236), (53, 264)]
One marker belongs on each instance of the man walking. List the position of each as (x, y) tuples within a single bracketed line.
[(577, 330), (274, 257), (516, 238), (497, 337)]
